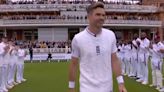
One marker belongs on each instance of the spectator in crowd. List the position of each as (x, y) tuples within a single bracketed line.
[(123, 2), (77, 17), (31, 53), (49, 56)]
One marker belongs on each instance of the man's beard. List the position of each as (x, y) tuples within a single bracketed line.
[(135, 38), (156, 42), (142, 38)]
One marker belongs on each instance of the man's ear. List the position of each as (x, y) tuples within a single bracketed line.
[(88, 16)]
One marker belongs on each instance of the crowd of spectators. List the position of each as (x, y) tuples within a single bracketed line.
[(123, 2), (132, 17), (73, 17), (45, 44), (26, 17), (73, 5)]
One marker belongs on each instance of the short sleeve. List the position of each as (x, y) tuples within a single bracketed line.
[(134, 42), (156, 49), (142, 45), (114, 47), (1, 51), (161, 46), (147, 43), (75, 48), (19, 53)]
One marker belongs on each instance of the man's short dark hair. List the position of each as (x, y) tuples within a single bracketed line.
[(93, 6)]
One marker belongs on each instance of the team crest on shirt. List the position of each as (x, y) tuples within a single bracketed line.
[(98, 50)]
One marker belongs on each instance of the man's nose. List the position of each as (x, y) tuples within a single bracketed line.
[(102, 17)]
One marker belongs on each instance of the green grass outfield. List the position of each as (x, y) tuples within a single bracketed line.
[(53, 77)]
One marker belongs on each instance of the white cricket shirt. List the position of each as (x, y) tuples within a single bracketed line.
[(21, 56), (94, 54), (2, 53)]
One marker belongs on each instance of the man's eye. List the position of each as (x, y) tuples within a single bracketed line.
[(98, 14)]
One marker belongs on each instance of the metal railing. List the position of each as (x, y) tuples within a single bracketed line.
[(78, 22)]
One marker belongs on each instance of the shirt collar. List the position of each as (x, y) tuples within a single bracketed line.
[(91, 33), (159, 43)]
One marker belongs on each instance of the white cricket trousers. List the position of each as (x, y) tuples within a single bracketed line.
[(11, 73), (157, 74), (3, 76), (20, 71), (143, 58)]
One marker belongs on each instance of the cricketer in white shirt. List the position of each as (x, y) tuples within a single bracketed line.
[(94, 54), (4, 48), (94, 50), (12, 65), (127, 49), (157, 64), (134, 57), (20, 65), (143, 58), (121, 55)]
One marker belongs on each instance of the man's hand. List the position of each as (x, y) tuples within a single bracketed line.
[(72, 90), (161, 50), (6, 48), (151, 46), (138, 43), (122, 88)]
